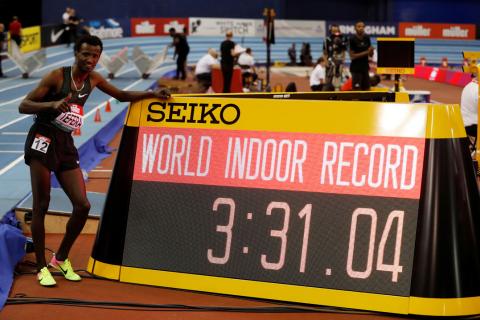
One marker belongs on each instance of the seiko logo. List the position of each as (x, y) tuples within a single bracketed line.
[(193, 112)]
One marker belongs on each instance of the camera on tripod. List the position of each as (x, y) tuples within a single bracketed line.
[(338, 43)]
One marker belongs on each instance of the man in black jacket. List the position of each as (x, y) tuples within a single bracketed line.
[(181, 52)]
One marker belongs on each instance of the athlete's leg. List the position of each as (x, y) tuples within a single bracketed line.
[(74, 186), (40, 177)]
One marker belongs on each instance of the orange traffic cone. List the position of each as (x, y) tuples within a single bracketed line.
[(97, 116), (77, 132), (108, 107)]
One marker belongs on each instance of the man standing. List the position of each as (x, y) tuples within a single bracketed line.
[(57, 103), (181, 52), (292, 55), (360, 49), (227, 52), (15, 29)]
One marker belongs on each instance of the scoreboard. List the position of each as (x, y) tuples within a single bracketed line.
[(321, 202)]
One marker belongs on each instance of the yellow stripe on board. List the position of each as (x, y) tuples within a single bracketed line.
[(275, 291), (395, 39), (445, 306), (399, 70), (327, 117), (292, 293), (307, 116), (105, 270)]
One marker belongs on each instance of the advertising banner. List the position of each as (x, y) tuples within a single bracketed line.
[(106, 28), (300, 28), (373, 29), (437, 30), (53, 35), (31, 39), (142, 27), (218, 27)]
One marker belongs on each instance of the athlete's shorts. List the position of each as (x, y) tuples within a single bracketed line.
[(51, 146)]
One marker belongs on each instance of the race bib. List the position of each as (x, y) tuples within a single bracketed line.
[(41, 143), (69, 121)]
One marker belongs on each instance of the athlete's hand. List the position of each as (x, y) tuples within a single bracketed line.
[(62, 105), (162, 93)]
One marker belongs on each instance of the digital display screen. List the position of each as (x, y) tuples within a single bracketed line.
[(326, 211), (396, 54)]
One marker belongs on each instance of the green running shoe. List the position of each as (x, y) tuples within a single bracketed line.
[(65, 267), (45, 278)]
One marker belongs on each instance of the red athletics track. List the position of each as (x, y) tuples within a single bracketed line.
[(104, 290)]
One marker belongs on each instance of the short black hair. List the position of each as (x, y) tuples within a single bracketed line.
[(88, 39), (172, 30)]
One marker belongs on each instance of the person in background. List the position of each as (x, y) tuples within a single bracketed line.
[(66, 25), (3, 46), (360, 50), (15, 29), (247, 64), (317, 77), (228, 54), (469, 110), (66, 16), (57, 103), (73, 24), (306, 55), (181, 52), (292, 55), (203, 69), (334, 51)]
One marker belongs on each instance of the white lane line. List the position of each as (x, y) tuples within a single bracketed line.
[(11, 151), (14, 133), (14, 121), (51, 65), (11, 143), (12, 101), (11, 165), (19, 85)]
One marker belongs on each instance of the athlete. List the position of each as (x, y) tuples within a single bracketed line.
[(57, 103)]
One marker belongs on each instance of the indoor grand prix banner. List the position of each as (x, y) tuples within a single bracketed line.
[(220, 26)]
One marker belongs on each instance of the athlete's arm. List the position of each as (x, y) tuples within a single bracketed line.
[(123, 95), (33, 102)]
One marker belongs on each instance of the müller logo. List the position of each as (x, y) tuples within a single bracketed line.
[(455, 32), (417, 31), (214, 113)]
